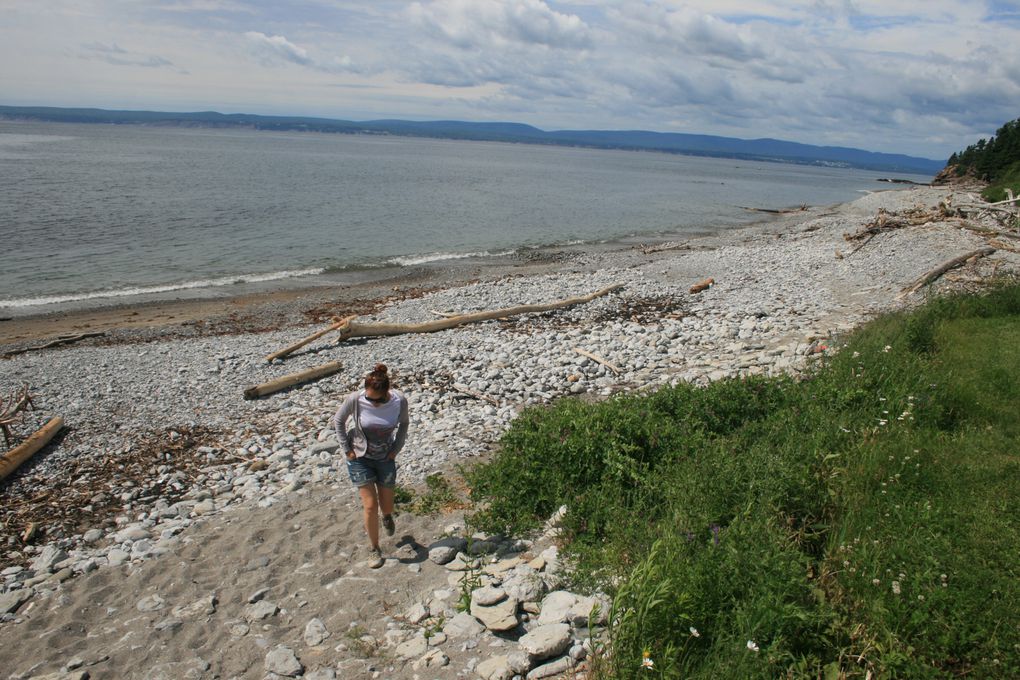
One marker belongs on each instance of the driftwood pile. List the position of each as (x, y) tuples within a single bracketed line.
[(1005, 235), (12, 409)]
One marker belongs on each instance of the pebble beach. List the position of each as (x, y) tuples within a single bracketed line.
[(179, 530)]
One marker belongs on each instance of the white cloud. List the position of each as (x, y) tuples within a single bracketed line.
[(486, 23), (273, 50), (897, 75)]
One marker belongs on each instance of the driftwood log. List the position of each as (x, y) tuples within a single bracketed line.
[(597, 359), (351, 329), (933, 275), (10, 461), (293, 380), (311, 338), (702, 285), (62, 340), (467, 391)]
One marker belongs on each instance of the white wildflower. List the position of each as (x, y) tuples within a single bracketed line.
[(752, 646)]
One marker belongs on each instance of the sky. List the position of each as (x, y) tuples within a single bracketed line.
[(921, 77)]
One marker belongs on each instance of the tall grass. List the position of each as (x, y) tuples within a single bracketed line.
[(866, 519)]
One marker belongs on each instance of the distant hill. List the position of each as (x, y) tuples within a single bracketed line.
[(669, 142)]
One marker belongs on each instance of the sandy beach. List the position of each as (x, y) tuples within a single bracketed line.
[(170, 507)]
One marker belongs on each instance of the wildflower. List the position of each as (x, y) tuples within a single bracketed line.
[(856, 354), (646, 661), (896, 587), (887, 348), (875, 581), (920, 598), (752, 646), (694, 632)]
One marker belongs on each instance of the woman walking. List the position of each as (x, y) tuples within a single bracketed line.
[(379, 428)]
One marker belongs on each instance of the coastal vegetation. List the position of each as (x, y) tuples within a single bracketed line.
[(862, 522), (995, 160)]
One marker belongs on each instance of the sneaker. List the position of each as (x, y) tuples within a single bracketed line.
[(375, 558), (388, 525)]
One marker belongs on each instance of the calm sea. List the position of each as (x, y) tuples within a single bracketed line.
[(93, 214)]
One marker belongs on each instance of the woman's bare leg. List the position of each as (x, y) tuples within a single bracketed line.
[(370, 503), (386, 499)]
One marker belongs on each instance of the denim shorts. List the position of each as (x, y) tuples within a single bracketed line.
[(365, 471)]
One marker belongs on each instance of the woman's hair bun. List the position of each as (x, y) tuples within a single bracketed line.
[(380, 368)]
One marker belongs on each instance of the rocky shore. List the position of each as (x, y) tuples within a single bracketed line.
[(181, 531)]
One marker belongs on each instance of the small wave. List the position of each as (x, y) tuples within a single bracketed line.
[(167, 288), (438, 257)]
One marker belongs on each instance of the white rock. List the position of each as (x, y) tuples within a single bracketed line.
[(283, 661), (463, 625), (315, 633), (499, 617), (557, 607), (546, 641)]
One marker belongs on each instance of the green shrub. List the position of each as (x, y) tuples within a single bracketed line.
[(781, 512)]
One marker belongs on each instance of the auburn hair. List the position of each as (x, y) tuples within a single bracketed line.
[(378, 379)]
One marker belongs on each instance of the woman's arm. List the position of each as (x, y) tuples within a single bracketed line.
[(339, 423), (403, 423)]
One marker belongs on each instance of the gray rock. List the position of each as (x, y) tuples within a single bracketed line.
[(463, 625), (327, 446), (445, 549), (551, 669), (203, 607), (488, 596), (117, 557), (315, 633), (321, 674), (46, 560), (495, 668), (73, 675), (204, 507), (150, 603), (260, 611), (9, 602), (546, 641), (434, 658), (133, 532), (416, 613), (257, 595), (283, 661), (499, 617), (557, 607), (170, 623), (520, 662), (525, 584)]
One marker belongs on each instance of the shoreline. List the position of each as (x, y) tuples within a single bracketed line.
[(172, 486), (272, 305)]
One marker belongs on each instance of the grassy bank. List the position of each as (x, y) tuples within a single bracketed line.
[(1010, 179), (864, 520)]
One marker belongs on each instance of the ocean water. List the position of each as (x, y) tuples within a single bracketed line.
[(101, 213)]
